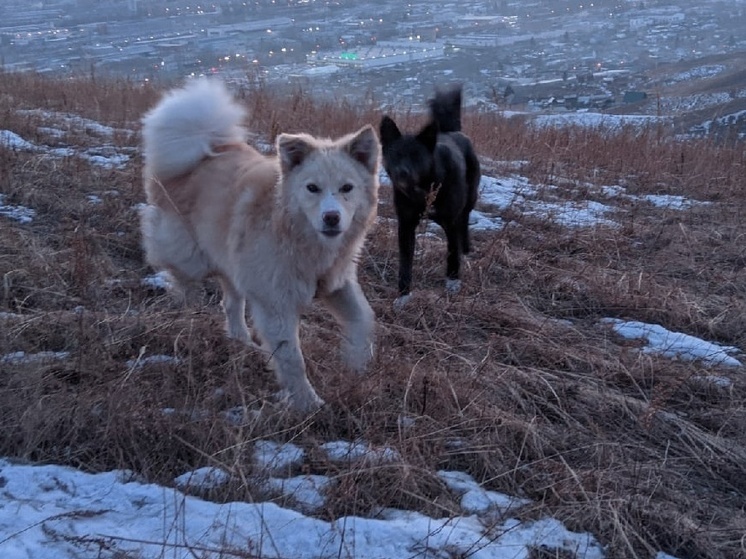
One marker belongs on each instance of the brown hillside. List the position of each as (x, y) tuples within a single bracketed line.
[(515, 380)]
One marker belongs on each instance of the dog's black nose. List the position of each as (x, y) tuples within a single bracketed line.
[(331, 219)]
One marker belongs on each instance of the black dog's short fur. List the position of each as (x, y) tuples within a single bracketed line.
[(434, 171)]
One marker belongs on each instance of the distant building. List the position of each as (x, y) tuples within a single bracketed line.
[(662, 17), (261, 26), (381, 55), (634, 96)]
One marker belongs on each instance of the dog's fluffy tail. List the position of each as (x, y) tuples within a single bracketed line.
[(445, 108), (187, 124)]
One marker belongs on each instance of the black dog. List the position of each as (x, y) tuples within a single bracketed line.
[(435, 172)]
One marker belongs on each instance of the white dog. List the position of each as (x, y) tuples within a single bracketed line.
[(276, 231)]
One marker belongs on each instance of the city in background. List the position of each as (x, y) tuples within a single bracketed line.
[(536, 56)]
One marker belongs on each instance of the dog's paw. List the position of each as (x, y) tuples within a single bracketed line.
[(401, 301), (239, 334), (357, 356), (305, 403), (453, 286)]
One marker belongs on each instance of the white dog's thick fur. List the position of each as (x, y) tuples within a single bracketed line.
[(276, 231)]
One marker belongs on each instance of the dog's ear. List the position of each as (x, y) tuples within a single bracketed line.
[(293, 150), (428, 136), (389, 131), (364, 148)]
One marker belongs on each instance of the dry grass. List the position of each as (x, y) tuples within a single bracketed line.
[(513, 380)]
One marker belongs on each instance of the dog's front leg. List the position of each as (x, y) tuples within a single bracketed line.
[(352, 310), (278, 328), (234, 306), (407, 229)]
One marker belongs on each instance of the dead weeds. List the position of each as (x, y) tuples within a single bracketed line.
[(514, 380)]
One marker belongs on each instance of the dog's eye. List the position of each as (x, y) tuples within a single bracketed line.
[(313, 188), (345, 188)]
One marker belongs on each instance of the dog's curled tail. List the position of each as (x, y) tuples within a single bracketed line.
[(445, 108), (187, 124)]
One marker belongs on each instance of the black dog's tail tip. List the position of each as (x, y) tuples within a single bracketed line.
[(445, 108)]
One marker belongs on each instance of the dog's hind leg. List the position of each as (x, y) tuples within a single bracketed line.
[(183, 290), (352, 310), (465, 241), (170, 245), (278, 328), (455, 242)]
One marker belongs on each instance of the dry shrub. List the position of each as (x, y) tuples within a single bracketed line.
[(514, 380)]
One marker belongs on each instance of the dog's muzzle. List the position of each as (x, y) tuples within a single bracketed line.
[(331, 221)]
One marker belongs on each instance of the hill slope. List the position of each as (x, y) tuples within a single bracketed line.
[(521, 380)]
